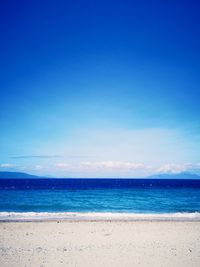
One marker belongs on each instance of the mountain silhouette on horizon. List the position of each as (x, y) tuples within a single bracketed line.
[(17, 175), (181, 175), (23, 175)]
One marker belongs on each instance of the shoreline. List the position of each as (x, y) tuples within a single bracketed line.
[(97, 216)]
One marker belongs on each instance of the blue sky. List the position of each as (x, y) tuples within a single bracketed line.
[(100, 88)]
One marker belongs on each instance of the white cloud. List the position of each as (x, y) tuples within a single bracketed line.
[(177, 168), (62, 165), (114, 165), (107, 168), (125, 168), (7, 165), (113, 151)]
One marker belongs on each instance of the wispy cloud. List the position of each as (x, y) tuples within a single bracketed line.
[(7, 165), (113, 168), (36, 156), (177, 168), (109, 168), (116, 165), (78, 156), (62, 165), (50, 156)]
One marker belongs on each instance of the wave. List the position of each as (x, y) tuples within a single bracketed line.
[(98, 216)]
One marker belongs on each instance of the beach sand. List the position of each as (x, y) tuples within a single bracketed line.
[(100, 243)]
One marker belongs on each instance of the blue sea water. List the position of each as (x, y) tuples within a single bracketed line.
[(100, 195)]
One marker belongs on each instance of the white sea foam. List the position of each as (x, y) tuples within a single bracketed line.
[(99, 216)]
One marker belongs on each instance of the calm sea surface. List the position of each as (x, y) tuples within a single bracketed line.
[(99, 195)]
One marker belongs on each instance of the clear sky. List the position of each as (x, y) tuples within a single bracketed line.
[(100, 88)]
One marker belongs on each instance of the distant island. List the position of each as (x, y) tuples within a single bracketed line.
[(17, 175), (22, 175), (181, 175)]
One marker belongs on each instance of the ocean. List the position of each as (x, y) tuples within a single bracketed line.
[(121, 196)]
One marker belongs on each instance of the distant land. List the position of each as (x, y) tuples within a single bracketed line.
[(182, 175), (22, 175), (17, 175)]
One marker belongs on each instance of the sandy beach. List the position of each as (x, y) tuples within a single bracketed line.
[(100, 243)]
